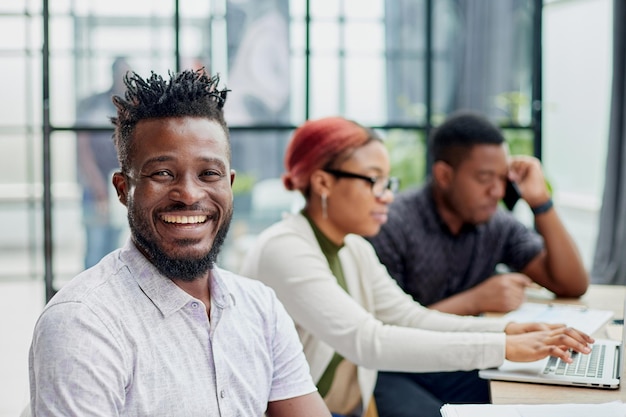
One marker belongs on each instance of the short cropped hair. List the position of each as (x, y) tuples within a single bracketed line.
[(321, 144), (188, 93), (453, 140)]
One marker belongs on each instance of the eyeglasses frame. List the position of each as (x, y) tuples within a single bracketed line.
[(393, 183)]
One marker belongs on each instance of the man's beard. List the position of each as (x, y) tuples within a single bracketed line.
[(176, 268)]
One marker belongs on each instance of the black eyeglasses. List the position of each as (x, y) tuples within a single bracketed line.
[(379, 184)]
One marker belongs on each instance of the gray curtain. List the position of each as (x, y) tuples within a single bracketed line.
[(609, 265), (481, 49)]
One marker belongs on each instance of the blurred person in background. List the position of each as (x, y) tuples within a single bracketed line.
[(452, 247), (97, 160)]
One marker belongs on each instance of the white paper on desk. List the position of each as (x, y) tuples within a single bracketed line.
[(588, 320), (612, 409)]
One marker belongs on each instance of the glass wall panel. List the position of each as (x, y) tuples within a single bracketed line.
[(325, 9), (483, 57), (326, 87), (368, 9), (405, 51), (14, 86), (326, 36), (407, 154), (21, 256), (258, 60), (69, 240), (15, 25), (260, 198), (365, 37), (20, 210), (364, 94), (367, 61)]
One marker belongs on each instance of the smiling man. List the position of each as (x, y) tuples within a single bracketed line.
[(156, 328)]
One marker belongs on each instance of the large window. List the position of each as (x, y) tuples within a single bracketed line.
[(397, 66)]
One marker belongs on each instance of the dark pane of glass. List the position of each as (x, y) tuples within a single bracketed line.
[(483, 56), (259, 195), (258, 59), (405, 52)]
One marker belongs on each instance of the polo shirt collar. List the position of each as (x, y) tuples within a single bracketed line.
[(434, 219), (162, 291)]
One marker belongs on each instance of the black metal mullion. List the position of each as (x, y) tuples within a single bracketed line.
[(537, 84), (428, 77), (307, 62), (47, 172), (177, 34)]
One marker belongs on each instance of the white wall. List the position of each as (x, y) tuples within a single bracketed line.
[(576, 80)]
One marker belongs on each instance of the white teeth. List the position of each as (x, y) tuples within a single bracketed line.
[(184, 219)]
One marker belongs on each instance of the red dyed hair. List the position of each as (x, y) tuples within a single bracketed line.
[(318, 144)]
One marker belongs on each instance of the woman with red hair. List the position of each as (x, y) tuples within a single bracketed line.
[(352, 317)]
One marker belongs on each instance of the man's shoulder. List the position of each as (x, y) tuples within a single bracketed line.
[(407, 201), (504, 218), (410, 207), (241, 286), (82, 287)]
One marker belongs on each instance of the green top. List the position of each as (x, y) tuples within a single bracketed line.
[(331, 252)]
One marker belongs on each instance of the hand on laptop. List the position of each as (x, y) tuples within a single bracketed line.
[(556, 341)]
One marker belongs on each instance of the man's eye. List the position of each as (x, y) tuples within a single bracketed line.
[(161, 174), (212, 175), (485, 179)]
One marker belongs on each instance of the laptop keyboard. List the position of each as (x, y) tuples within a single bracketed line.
[(590, 365)]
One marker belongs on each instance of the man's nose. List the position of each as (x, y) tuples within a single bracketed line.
[(188, 190), (498, 190)]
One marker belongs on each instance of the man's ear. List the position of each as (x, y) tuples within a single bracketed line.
[(443, 174), (121, 187), (232, 181)]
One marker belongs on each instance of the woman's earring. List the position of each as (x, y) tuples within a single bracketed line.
[(324, 206)]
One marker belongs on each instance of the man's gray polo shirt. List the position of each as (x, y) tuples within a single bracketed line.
[(122, 340), (431, 264)]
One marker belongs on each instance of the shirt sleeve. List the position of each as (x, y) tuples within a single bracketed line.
[(522, 243), (292, 377), (300, 275), (76, 367)]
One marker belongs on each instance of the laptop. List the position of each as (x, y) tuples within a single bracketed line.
[(599, 369)]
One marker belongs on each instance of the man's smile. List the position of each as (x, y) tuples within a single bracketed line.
[(178, 219)]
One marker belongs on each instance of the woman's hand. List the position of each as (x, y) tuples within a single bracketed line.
[(535, 345), (518, 328)]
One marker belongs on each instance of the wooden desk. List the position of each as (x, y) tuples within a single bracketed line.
[(605, 297)]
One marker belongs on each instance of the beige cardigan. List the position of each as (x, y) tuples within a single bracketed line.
[(377, 326)]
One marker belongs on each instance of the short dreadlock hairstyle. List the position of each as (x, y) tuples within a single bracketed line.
[(188, 93)]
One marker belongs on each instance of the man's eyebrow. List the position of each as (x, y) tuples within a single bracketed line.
[(167, 158), (218, 161), (160, 158), (154, 161)]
